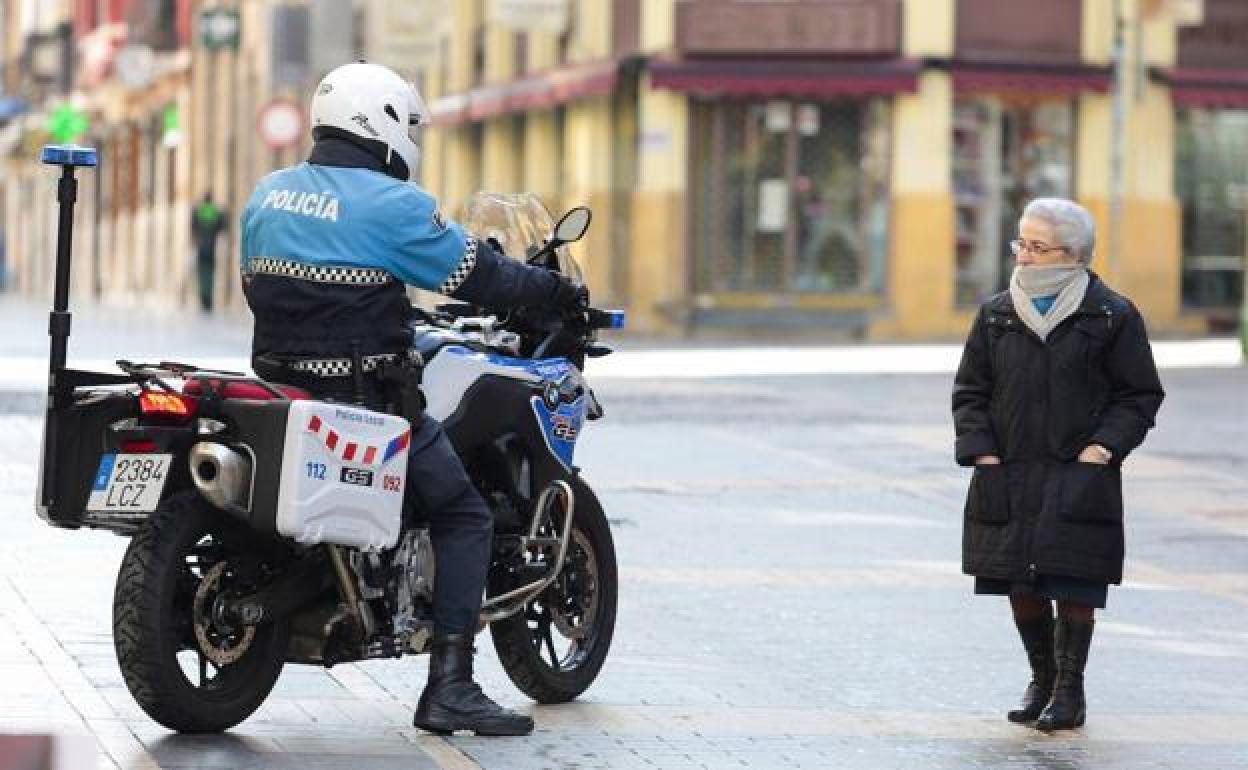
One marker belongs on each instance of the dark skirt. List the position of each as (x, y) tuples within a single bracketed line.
[(1056, 587)]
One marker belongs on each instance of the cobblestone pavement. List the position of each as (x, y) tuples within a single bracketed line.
[(791, 598)]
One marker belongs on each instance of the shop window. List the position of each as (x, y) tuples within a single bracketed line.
[(1005, 154), (1211, 180), (791, 196)]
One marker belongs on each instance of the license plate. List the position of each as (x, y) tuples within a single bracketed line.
[(129, 483)]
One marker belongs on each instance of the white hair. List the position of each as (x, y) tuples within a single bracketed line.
[(1072, 224)]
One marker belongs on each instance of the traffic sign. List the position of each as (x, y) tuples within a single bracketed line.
[(280, 123)]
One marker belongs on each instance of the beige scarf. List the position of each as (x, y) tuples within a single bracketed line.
[(1068, 282)]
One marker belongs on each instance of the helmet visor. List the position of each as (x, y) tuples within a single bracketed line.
[(418, 113)]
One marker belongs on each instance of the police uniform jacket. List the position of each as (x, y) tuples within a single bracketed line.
[(328, 245)]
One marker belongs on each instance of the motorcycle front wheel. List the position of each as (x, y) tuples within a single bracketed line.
[(554, 648), (187, 665)]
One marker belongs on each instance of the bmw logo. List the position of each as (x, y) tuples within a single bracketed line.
[(550, 394)]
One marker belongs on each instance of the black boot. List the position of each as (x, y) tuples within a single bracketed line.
[(1068, 709), (452, 701), (1037, 636)]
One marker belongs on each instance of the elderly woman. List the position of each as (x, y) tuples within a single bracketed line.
[(1056, 387)]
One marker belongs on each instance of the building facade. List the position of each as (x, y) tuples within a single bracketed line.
[(857, 166), (828, 167)]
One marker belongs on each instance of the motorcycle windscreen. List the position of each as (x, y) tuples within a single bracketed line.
[(520, 222)]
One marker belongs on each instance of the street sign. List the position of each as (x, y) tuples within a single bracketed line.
[(280, 123), (218, 28), (135, 66), (67, 124)]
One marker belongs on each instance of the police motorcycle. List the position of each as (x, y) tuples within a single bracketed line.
[(266, 527)]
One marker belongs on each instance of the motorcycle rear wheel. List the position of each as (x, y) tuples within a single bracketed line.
[(174, 570), (578, 609)]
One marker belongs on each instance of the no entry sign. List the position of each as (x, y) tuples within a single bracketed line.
[(280, 123)]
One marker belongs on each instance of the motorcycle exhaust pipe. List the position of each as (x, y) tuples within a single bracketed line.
[(223, 476)]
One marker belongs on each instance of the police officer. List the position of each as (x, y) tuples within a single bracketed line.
[(327, 247)]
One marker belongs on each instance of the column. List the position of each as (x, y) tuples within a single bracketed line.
[(1147, 266), (922, 261)]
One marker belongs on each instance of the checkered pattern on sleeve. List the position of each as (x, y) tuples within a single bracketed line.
[(351, 276), (463, 269)]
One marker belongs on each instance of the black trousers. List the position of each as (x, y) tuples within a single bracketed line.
[(440, 493), (460, 525)]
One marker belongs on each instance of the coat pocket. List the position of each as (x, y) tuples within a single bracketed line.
[(1091, 493), (988, 500)]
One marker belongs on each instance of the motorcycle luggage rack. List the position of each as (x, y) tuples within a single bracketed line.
[(208, 379)]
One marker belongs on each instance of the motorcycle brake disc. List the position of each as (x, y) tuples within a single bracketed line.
[(204, 621), (588, 572)]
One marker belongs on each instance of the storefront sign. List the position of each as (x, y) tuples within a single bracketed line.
[(406, 36), (218, 28), (1221, 41), (530, 15), (805, 26), (1037, 33)]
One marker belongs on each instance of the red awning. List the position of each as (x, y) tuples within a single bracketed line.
[(1032, 78), (780, 77), (1206, 87), (538, 92)]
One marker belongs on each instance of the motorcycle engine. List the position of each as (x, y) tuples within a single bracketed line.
[(410, 587)]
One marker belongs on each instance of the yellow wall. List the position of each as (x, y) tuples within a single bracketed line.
[(657, 281), (919, 302), (1146, 266), (921, 268)]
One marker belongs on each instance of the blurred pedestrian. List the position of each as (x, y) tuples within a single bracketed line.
[(1057, 385), (207, 222)]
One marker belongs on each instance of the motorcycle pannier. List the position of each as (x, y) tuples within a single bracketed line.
[(324, 472)]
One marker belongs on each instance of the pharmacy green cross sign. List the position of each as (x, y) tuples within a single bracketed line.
[(66, 124)]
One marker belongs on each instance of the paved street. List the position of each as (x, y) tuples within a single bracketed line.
[(791, 596)]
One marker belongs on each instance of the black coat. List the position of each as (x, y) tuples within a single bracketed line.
[(1037, 405)]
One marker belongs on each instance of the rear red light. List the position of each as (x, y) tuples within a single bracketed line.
[(141, 446), (170, 407)]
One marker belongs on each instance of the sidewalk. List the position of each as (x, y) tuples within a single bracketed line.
[(103, 335)]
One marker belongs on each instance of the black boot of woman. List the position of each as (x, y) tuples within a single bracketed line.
[(1034, 620), (1073, 638)]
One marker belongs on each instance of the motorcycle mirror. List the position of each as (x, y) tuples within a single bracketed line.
[(573, 225)]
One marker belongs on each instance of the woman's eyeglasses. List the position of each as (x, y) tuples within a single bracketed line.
[(1018, 246)]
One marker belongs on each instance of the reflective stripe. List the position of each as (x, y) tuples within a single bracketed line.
[(463, 269), (351, 276), (338, 367)]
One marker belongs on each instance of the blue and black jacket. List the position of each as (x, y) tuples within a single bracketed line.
[(328, 245)]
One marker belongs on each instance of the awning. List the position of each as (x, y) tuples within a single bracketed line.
[(1206, 87), (12, 106), (741, 76), (1031, 78), (537, 92)]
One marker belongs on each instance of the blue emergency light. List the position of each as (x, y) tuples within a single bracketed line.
[(68, 155), (615, 319)]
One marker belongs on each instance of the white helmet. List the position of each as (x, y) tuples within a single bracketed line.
[(373, 103)]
